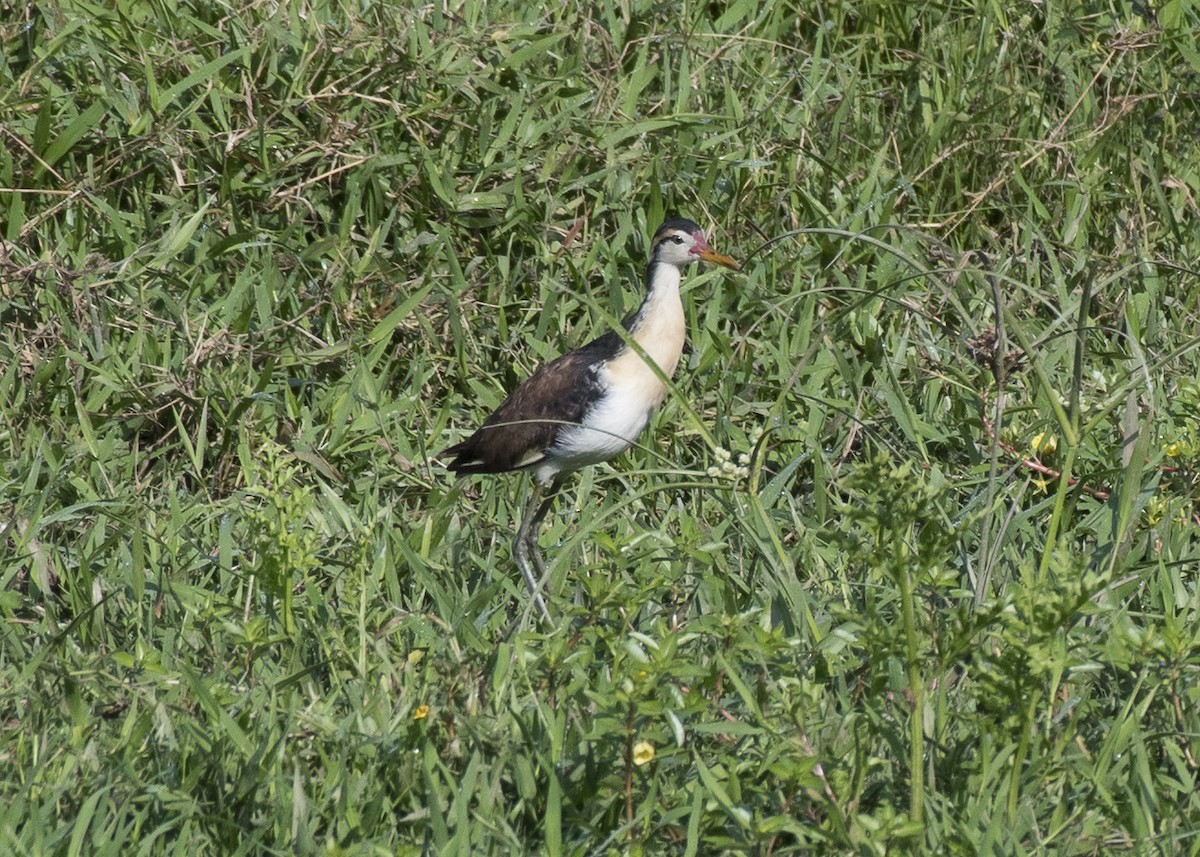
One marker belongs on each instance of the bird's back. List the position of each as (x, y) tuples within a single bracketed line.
[(519, 433)]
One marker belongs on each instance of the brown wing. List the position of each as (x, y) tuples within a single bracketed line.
[(526, 424)]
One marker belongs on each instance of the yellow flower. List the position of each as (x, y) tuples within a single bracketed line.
[(1044, 445), (1155, 511), (421, 713), (643, 752)]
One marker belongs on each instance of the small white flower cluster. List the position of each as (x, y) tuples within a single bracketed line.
[(733, 467), (727, 466)]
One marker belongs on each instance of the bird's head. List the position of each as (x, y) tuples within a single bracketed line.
[(680, 242)]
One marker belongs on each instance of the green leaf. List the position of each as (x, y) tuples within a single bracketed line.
[(79, 127)]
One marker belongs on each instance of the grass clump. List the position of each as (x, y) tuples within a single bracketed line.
[(905, 564)]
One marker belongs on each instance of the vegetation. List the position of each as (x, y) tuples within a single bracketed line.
[(907, 563)]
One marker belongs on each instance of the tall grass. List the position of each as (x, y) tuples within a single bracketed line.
[(904, 564)]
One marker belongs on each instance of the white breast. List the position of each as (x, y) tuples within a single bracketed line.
[(632, 389)]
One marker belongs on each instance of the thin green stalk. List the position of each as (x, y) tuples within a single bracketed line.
[(1018, 762), (1000, 375), (916, 685), (1058, 517)]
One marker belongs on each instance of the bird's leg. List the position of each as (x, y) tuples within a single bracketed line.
[(536, 528), (525, 547)]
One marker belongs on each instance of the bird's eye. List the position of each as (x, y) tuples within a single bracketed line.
[(677, 239)]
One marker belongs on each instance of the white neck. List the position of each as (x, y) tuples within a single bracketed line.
[(659, 325)]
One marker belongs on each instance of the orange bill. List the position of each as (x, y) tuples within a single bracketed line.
[(708, 255)]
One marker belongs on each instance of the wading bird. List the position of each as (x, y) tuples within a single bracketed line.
[(590, 404)]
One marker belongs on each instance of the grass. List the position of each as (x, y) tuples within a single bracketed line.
[(907, 563)]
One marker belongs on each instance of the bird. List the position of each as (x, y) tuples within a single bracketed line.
[(592, 403)]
